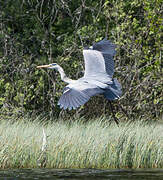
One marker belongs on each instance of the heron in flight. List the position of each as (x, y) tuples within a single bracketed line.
[(97, 79)]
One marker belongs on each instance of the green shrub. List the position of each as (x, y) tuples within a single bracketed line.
[(33, 33)]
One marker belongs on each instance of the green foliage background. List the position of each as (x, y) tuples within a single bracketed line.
[(39, 32)]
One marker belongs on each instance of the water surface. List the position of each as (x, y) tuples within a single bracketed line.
[(82, 174)]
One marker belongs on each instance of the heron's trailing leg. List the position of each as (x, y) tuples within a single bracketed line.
[(115, 119), (123, 110)]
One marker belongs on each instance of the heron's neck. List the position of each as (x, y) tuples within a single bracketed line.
[(63, 76)]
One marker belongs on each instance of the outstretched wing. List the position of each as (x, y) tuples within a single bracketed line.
[(99, 63), (77, 94)]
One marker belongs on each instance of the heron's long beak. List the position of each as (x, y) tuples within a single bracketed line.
[(44, 66)]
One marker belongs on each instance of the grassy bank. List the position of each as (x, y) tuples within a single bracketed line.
[(78, 145)]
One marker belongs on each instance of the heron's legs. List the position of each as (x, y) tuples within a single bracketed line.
[(123, 110), (115, 119)]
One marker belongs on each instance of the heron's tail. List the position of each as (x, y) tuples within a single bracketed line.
[(114, 91)]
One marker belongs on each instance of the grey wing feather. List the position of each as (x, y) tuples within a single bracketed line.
[(109, 64), (114, 91), (77, 94), (99, 62)]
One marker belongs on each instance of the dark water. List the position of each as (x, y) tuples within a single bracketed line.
[(82, 174)]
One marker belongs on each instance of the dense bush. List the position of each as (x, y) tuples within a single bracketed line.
[(39, 32)]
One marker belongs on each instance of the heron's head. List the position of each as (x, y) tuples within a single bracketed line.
[(50, 66)]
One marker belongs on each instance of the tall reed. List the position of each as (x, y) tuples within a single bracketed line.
[(96, 144)]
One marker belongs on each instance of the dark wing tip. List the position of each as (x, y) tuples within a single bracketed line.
[(105, 46)]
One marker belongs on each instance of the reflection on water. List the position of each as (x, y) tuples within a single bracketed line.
[(82, 174)]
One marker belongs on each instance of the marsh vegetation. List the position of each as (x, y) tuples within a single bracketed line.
[(95, 144)]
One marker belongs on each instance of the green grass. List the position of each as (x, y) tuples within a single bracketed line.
[(81, 145)]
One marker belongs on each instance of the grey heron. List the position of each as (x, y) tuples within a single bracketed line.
[(97, 79)]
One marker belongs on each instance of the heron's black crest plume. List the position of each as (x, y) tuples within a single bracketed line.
[(54, 64)]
